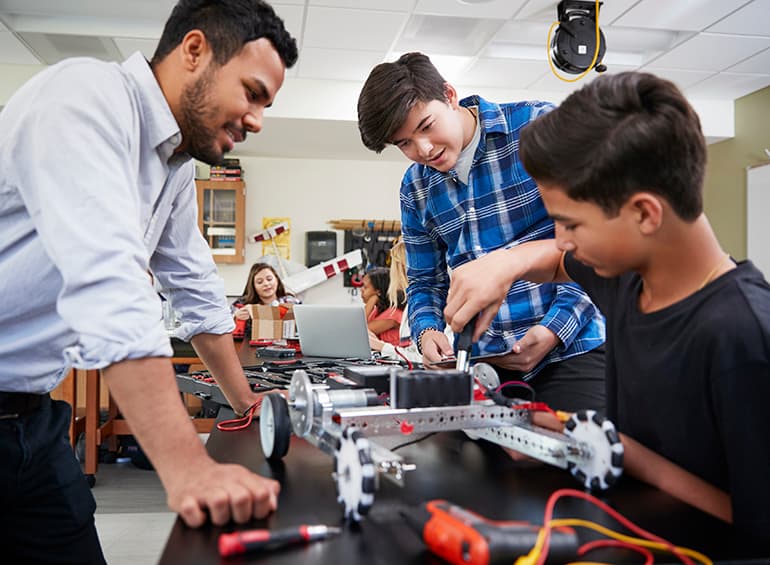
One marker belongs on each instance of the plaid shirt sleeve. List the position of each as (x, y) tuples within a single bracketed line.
[(426, 268), (571, 310)]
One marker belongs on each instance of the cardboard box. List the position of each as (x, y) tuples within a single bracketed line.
[(266, 322)]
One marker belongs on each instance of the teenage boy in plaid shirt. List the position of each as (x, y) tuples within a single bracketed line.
[(467, 195)]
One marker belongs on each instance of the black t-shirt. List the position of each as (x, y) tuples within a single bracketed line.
[(692, 381)]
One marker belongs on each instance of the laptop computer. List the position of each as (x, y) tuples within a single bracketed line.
[(332, 331)]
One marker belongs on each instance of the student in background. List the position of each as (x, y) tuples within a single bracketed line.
[(263, 286), (96, 190), (465, 196), (383, 317), (405, 348), (620, 166)]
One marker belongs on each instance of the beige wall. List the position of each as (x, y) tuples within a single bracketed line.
[(725, 188), (311, 192)]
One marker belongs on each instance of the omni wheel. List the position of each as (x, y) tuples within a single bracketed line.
[(274, 426), (604, 467), (354, 473)]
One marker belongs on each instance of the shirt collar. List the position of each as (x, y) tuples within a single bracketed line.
[(161, 128), (491, 116)]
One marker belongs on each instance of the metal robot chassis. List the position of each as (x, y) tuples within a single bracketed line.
[(339, 422)]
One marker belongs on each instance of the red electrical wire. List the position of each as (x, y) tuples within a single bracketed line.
[(243, 422), (597, 544), (616, 515), (535, 407), (409, 364)]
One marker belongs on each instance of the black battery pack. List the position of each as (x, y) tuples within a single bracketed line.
[(276, 352), (370, 376)]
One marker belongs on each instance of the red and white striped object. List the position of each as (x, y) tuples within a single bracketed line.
[(269, 233), (322, 272)]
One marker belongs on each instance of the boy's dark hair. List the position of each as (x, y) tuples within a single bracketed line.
[(228, 25), (389, 94), (380, 279), (618, 135)]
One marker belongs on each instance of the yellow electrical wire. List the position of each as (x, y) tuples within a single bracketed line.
[(630, 539), (533, 556), (596, 50)]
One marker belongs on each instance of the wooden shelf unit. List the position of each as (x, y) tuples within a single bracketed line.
[(221, 218)]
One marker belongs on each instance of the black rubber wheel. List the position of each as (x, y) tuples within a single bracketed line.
[(274, 427)]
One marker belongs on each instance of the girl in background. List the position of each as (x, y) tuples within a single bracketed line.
[(383, 317), (263, 286), (404, 348)]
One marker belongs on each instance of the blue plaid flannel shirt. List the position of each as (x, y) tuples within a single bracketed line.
[(447, 223)]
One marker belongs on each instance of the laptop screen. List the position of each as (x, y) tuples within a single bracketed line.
[(338, 331)]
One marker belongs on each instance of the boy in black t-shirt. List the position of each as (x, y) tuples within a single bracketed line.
[(620, 167)]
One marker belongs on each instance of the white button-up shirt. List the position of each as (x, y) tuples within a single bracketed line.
[(92, 197)]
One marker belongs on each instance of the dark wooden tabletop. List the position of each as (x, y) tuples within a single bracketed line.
[(476, 475)]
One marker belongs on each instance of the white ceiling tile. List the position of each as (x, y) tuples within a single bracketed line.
[(611, 10), (128, 46), (337, 28), (712, 52), (682, 78), (728, 85), (519, 32), (693, 15), (13, 52), (336, 64), (136, 9), (294, 2), (447, 35), (390, 5), (86, 24), (292, 18), (504, 73), (538, 10), (759, 64), (639, 39), (752, 19), (54, 47), (496, 9)]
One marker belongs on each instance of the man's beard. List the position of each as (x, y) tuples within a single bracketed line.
[(195, 113)]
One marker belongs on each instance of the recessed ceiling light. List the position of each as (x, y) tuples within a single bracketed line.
[(472, 2)]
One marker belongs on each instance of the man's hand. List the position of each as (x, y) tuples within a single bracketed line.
[(478, 286), (227, 492), (148, 397), (529, 350), (435, 346), (242, 314)]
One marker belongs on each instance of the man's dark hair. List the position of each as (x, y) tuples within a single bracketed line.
[(619, 135), (228, 25), (389, 94)]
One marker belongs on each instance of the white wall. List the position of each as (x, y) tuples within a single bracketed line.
[(312, 192)]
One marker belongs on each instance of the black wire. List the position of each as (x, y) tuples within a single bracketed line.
[(418, 440)]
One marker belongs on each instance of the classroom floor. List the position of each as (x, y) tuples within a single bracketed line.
[(132, 518)]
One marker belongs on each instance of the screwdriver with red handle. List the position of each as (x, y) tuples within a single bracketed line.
[(252, 540)]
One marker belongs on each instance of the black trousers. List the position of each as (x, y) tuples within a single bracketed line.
[(46, 505), (574, 384)]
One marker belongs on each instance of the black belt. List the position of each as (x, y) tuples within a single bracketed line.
[(13, 404)]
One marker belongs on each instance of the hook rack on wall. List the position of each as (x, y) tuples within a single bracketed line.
[(375, 239)]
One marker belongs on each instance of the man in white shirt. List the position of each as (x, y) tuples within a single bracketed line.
[(97, 190)]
